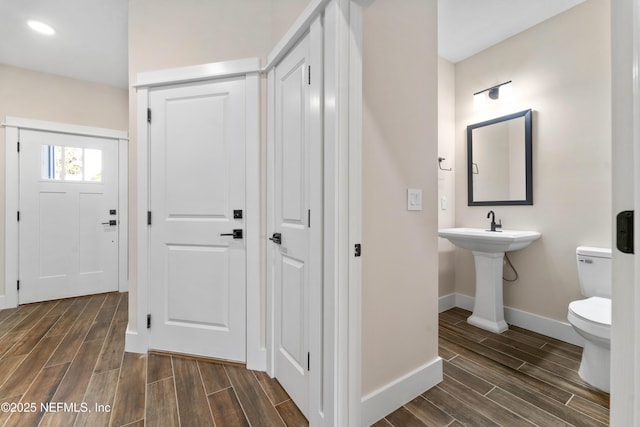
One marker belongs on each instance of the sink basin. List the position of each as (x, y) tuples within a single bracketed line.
[(488, 249), (481, 240)]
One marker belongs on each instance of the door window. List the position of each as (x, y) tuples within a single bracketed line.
[(62, 163)]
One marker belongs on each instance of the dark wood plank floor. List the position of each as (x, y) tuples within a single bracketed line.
[(517, 378), (70, 354)]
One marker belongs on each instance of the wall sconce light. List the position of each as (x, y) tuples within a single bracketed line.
[(502, 91)]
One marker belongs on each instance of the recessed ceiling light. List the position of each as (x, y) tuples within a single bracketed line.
[(41, 27)]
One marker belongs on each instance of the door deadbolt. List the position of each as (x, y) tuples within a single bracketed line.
[(237, 234), (276, 238), (111, 222)]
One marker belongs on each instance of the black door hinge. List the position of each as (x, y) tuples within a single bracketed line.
[(148, 115), (358, 250), (308, 361), (309, 75), (148, 217), (148, 321), (624, 232), (309, 218), (18, 284), (18, 216), (18, 144)]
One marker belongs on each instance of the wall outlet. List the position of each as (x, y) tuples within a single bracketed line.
[(414, 199)]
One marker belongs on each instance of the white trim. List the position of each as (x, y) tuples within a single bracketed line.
[(625, 103), (316, 145), (193, 73), (446, 302), (30, 124), (342, 123), (135, 343), (137, 337), (256, 353), (354, 117), (270, 215), (13, 125), (397, 393), (12, 205), (297, 30), (562, 331), (123, 215)]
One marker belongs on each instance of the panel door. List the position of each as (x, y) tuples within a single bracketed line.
[(197, 180), (291, 205), (68, 216)]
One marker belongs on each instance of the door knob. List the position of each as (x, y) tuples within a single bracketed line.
[(276, 238), (237, 234)]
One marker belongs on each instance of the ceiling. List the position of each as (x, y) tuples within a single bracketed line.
[(466, 27), (91, 35), (90, 41)]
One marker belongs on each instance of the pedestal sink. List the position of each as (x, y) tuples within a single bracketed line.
[(488, 249)]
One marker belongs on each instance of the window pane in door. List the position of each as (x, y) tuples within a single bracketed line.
[(60, 163)]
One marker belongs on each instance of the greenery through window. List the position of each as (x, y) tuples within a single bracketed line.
[(60, 163)]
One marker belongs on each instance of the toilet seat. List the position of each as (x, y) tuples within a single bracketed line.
[(592, 315)]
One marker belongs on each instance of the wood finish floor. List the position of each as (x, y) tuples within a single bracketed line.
[(517, 378), (70, 353)]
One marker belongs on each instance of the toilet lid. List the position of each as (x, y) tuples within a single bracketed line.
[(594, 309)]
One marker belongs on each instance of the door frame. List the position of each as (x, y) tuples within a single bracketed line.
[(137, 336), (12, 126), (625, 103), (337, 385)]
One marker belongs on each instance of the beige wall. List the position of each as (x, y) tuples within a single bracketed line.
[(400, 249), (561, 69), (446, 179), (32, 95)]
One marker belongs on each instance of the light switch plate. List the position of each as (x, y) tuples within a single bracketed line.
[(414, 199)]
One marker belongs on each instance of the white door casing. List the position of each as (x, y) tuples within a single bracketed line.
[(197, 182), (13, 127), (68, 223), (291, 217)]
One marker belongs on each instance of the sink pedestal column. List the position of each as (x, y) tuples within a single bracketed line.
[(488, 310)]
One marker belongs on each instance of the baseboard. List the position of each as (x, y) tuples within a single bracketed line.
[(5, 303), (258, 360), (446, 302), (134, 342), (394, 395), (562, 331)]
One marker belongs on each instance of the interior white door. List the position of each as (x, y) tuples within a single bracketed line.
[(291, 216), (68, 215), (197, 192)]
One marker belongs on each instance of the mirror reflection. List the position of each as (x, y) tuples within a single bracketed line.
[(499, 161)]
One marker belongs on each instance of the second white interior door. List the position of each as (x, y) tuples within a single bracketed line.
[(291, 221)]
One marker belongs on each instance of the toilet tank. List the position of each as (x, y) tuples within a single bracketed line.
[(594, 271)]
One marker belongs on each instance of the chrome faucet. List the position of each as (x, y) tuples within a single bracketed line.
[(492, 215)]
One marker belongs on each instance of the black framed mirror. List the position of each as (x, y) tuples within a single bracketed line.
[(499, 166)]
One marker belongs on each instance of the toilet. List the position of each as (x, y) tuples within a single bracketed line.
[(591, 317)]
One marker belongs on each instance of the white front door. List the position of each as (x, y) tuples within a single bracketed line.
[(68, 215), (197, 202), (291, 225)]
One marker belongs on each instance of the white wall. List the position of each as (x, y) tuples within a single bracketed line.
[(40, 96), (561, 69)]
